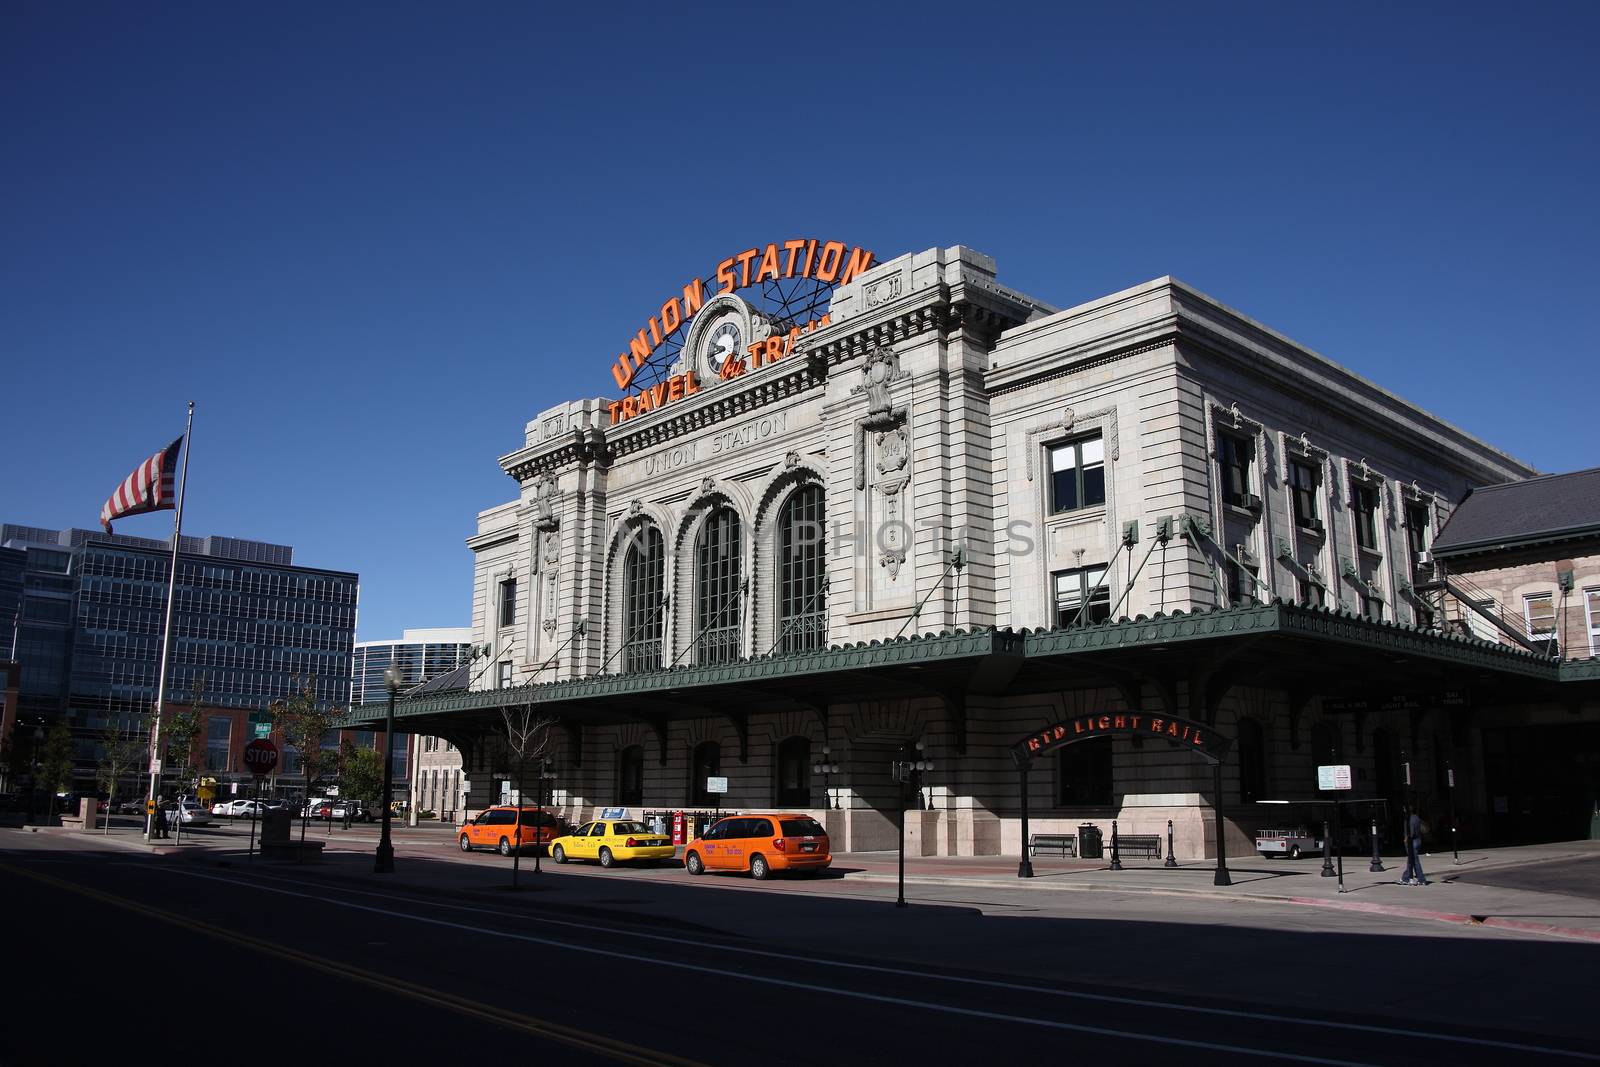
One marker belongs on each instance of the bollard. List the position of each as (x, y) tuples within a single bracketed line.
[(1116, 856), (1377, 862), (1327, 851), (1170, 861)]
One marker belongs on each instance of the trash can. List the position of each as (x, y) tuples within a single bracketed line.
[(1091, 843)]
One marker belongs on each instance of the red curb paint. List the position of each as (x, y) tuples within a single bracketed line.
[(1450, 917)]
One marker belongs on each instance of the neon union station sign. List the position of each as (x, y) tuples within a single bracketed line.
[(722, 336)]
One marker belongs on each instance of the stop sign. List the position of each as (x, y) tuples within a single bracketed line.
[(260, 756)]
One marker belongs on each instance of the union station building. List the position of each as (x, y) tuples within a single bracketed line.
[(841, 514)]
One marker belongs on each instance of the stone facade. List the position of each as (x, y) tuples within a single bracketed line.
[(927, 412)]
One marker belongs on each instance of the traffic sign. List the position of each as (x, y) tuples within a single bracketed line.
[(149, 807), (262, 729), (260, 756)]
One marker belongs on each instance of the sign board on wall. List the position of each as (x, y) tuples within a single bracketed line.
[(716, 785), (1334, 776)]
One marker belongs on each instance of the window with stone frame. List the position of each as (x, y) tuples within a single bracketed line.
[(1364, 508), (717, 579), (1372, 606), (1236, 454), (1539, 610), (503, 679), (1242, 583), (508, 602), (1305, 484), (1592, 609), (1418, 533), (1074, 588), (1077, 474), (643, 600), (1310, 593), (802, 571), (1084, 772)]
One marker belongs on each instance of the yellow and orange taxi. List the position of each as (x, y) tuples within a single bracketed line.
[(760, 844), (500, 829), (612, 841)]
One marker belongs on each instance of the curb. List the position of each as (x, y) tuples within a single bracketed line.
[(1490, 921)]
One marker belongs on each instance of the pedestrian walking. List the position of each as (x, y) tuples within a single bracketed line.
[(1412, 828), (349, 813), (159, 826)]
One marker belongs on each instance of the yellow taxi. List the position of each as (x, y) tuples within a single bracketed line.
[(612, 841)]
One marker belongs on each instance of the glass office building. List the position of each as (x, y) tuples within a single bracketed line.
[(420, 655), (249, 627)]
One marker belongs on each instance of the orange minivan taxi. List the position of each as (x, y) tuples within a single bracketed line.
[(498, 829), (760, 844)]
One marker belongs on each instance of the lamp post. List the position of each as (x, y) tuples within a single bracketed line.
[(827, 770), (392, 678), (905, 773), (546, 775)]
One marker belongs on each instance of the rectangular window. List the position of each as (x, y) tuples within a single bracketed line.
[(1241, 583), (508, 602), (1364, 502), (1592, 602), (1417, 531), (219, 731), (1309, 593), (1304, 483), (504, 681), (1372, 607), (1236, 454), (1540, 612), (1077, 475), (1073, 588)]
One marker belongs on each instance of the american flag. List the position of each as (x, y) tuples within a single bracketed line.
[(149, 488)]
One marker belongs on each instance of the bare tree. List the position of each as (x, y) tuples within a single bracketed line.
[(120, 752), (304, 724), (527, 738)]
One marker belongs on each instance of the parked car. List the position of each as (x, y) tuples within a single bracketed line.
[(612, 841), (238, 809), (188, 812), (1289, 842), (760, 844), (359, 811), (498, 827), (131, 806)]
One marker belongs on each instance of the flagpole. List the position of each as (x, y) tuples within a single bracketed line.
[(166, 640)]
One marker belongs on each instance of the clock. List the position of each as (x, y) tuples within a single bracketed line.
[(725, 342)]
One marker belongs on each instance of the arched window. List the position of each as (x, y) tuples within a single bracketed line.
[(707, 763), (1085, 774), (642, 597), (1252, 762), (630, 776), (794, 773), (717, 589), (802, 561)]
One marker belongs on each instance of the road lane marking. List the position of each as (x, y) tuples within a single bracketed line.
[(621, 1051), (786, 983), (988, 983)]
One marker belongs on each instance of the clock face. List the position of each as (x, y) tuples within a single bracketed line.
[(724, 343)]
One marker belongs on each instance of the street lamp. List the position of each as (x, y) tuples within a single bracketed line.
[(393, 677), (827, 770), (905, 772), (547, 775)]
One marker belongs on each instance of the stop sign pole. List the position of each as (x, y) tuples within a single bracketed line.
[(260, 756)]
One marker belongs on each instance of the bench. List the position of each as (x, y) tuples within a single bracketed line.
[(1066, 844), (297, 851), (1147, 844)]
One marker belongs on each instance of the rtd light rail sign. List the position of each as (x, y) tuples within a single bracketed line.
[(1334, 776), (722, 336)]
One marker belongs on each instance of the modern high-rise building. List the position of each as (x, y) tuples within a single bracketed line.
[(249, 627), (421, 655)]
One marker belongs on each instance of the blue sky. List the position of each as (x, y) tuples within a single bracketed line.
[(373, 241)]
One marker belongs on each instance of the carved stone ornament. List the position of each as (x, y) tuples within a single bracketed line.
[(552, 547), (894, 448), (550, 627), (792, 459), (708, 485), (545, 494), (635, 508), (894, 533), (882, 367)]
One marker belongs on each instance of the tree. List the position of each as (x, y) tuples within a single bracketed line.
[(304, 724), (119, 752), (55, 762), (528, 737), (360, 773)]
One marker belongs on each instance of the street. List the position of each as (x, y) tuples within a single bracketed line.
[(648, 967)]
